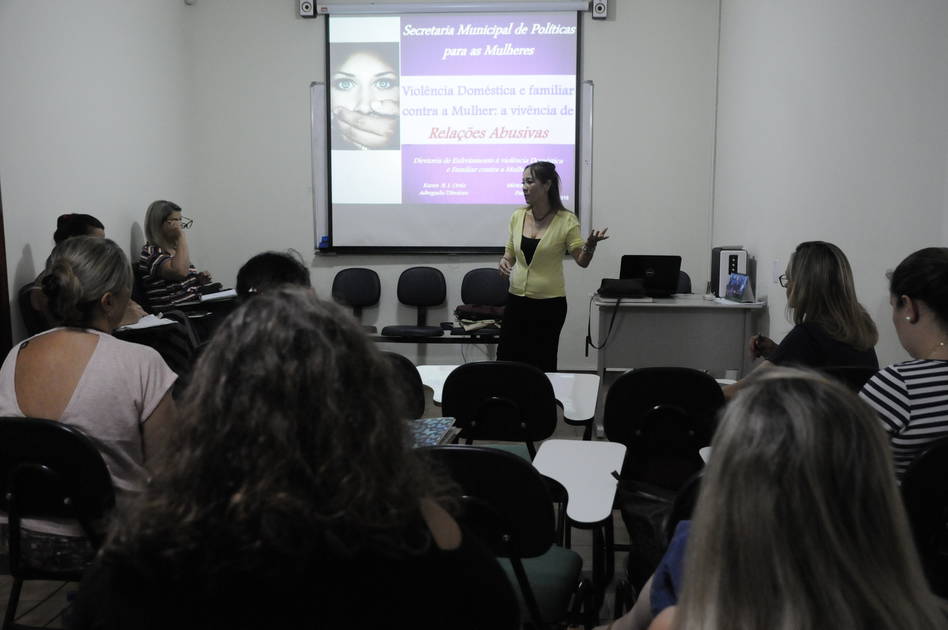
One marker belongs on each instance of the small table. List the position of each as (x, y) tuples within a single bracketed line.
[(588, 471), (578, 392)]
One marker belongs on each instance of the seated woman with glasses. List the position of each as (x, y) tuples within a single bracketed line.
[(293, 497), (164, 266), (118, 393), (831, 328), (799, 522)]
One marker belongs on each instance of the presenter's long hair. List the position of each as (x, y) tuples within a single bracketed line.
[(799, 523), (155, 217), (822, 291), (287, 452), (545, 172)]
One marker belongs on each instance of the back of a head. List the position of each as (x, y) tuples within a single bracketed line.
[(78, 273), (269, 270), (822, 290), (923, 276), (70, 225), (799, 523)]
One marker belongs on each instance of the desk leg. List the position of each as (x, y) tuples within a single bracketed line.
[(601, 371)]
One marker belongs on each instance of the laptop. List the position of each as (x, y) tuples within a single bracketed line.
[(659, 274)]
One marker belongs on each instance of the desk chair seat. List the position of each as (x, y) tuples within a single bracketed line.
[(507, 502), (357, 288), (49, 470), (421, 287)]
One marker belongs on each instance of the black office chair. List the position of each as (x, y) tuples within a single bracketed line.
[(409, 386), (33, 320), (506, 501), (501, 400), (852, 376), (49, 470), (483, 295), (421, 287), (925, 495), (663, 415), (357, 288), (684, 283)]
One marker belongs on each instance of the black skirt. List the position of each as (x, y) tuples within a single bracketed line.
[(530, 332)]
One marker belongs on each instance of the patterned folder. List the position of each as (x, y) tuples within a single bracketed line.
[(432, 431)]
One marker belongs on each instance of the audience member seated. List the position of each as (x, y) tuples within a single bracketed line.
[(67, 226), (912, 397), (293, 498), (270, 270), (116, 392), (831, 327), (799, 522), (169, 280)]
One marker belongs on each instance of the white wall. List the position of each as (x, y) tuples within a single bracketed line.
[(832, 125), (93, 117), (653, 66)]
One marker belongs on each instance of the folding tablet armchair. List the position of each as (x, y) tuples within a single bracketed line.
[(506, 501), (502, 401), (409, 385), (421, 287), (357, 288), (49, 470), (663, 415), (925, 495)]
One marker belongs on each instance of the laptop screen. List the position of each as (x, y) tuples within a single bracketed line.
[(659, 274)]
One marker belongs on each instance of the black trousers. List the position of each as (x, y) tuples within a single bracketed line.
[(530, 332)]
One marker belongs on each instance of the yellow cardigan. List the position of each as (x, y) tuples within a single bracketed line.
[(543, 277)]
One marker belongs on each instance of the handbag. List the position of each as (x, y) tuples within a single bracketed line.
[(621, 288)]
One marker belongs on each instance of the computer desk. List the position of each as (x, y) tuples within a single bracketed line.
[(684, 330)]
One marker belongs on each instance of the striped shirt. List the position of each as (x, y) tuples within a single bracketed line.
[(912, 400), (160, 293)]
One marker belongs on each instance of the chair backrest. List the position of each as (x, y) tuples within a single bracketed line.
[(176, 343), (33, 320), (356, 287), (682, 506), (925, 495), (408, 382), (663, 415), (684, 282), (505, 500), (52, 470), (852, 376), (501, 400), (484, 286)]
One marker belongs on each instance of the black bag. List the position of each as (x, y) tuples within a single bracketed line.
[(621, 288)]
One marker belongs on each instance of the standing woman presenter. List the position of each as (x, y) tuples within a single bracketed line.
[(540, 233)]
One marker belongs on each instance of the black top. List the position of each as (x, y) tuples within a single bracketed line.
[(808, 345), (529, 247), (463, 588)]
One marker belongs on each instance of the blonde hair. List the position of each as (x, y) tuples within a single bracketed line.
[(78, 273), (157, 213), (822, 291), (799, 523)]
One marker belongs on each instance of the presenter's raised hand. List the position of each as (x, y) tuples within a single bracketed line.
[(595, 236), (373, 130)]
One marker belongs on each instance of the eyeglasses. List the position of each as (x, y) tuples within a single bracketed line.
[(184, 221), (783, 280)]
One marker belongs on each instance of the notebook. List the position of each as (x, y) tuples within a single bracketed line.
[(659, 274)]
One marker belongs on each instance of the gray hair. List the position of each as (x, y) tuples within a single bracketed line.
[(799, 523), (78, 273), (157, 213)]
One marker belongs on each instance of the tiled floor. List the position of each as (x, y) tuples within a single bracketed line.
[(41, 602)]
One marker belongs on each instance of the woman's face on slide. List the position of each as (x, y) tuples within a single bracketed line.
[(363, 83)]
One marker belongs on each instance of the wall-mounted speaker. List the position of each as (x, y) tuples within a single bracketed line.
[(307, 8), (600, 9)]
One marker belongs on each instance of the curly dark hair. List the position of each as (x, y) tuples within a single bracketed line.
[(287, 450)]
